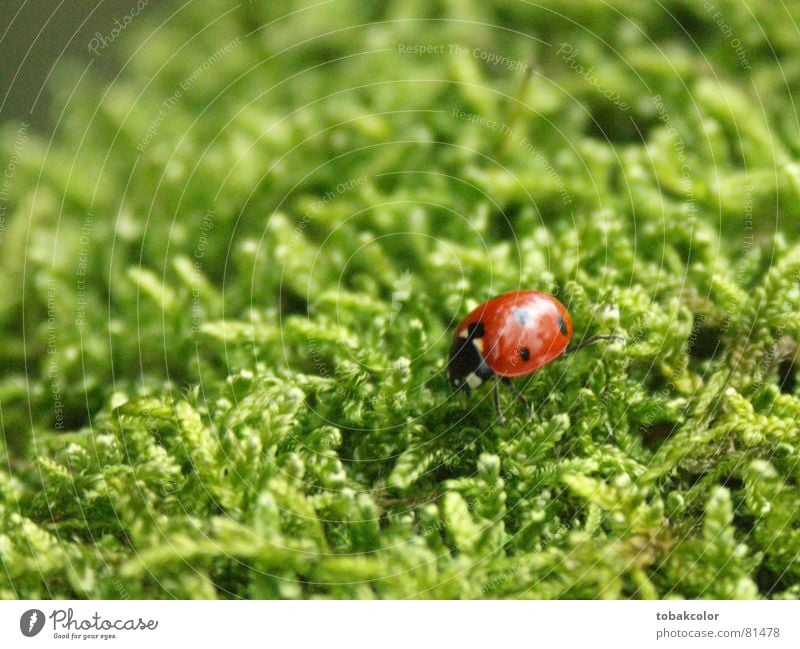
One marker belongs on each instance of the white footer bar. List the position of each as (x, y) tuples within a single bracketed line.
[(407, 624)]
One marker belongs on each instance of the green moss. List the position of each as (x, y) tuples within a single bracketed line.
[(228, 289)]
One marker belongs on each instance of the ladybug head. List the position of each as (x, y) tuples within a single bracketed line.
[(466, 366)]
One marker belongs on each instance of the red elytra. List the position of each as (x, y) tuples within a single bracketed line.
[(523, 330)]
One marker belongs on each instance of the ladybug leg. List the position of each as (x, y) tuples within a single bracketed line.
[(500, 417), (591, 341), (519, 396)]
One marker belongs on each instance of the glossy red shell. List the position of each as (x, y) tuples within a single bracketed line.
[(523, 330)]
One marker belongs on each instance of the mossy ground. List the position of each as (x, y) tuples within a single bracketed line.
[(229, 281)]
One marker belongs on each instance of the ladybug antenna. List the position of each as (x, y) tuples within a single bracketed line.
[(591, 341)]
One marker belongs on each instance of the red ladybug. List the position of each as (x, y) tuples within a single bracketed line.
[(510, 335)]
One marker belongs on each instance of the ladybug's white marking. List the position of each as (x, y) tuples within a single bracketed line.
[(473, 380), (478, 342), (523, 316)]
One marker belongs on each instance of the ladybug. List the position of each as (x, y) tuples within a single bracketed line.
[(510, 335)]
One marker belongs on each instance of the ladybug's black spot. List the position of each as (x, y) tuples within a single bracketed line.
[(562, 325), (521, 315), (475, 330), (525, 353)]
